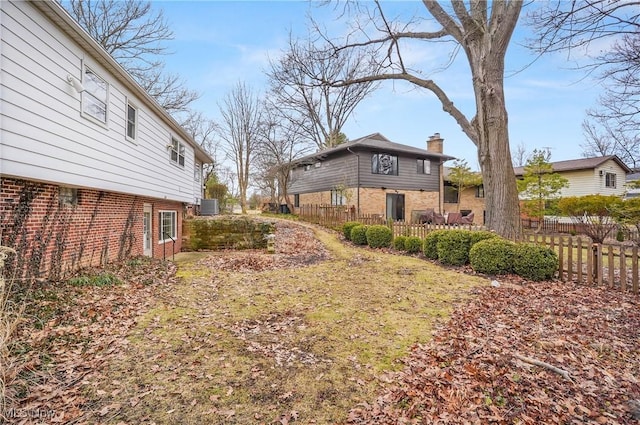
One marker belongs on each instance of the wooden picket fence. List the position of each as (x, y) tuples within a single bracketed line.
[(334, 216), (612, 265), (581, 261), (401, 228)]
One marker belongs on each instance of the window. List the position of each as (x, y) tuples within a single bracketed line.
[(177, 152), (317, 164), (132, 121), (67, 196), (307, 167), (168, 226), (424, 166), (480, 191), (610, 180), (337, 197), (450, 194), (197, 172), (383, 163), (296, 200), (95, 96)]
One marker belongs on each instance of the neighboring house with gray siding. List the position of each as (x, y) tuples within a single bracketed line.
[(373, 175)]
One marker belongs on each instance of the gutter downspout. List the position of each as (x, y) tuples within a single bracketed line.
[(357, 179)]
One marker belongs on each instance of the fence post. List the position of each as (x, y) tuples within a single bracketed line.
[(579, 259), (570, 260)]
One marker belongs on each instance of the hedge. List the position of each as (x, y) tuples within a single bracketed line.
[(346, 228), (492, 256), (398, 243), (379, 236), (453, 247), (413, 244), (359, 234), (430, 244), (535, 262)]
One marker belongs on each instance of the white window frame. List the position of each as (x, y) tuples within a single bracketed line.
[(338, 197), (93, 96), (177, 152), (174, 224), (127, 121), (197, 171)]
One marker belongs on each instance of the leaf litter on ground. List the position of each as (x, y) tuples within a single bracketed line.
[(239, 329)]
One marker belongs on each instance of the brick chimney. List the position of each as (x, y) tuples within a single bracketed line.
[(434, 144)]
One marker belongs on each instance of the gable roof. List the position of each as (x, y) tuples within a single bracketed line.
[(373, 142), (60, 17), (580, 164)]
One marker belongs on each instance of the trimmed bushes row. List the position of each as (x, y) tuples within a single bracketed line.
[(500, 256), (410, 244), (490, 254), (376, 236), (484, 251)]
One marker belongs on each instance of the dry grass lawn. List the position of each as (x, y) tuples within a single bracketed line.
[(275, 346)]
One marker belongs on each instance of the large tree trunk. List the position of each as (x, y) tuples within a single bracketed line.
[(491, 123)]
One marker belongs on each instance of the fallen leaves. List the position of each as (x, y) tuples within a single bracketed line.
[(472, 370)]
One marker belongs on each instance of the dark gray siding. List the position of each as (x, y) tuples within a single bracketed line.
[(335, 171), (407, 178)]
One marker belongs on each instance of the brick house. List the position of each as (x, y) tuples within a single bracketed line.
[(373, 175), (92, 169)]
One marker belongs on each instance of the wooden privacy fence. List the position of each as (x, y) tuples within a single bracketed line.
[(581, 261)]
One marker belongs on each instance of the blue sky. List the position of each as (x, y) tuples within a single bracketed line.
[(218, 43)]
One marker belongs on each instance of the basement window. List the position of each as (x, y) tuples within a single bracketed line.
[(68, 196)]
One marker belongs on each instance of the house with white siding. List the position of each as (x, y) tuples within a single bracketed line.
[(92, 169), (602, 175)]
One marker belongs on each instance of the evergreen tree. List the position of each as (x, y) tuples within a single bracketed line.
[(540, 186)]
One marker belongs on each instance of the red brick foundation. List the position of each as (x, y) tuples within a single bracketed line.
[(53, 240)]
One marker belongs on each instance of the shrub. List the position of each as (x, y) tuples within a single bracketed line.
[(430, 244), (100, 279), (534, 262), (481, 235), (413, 244), (346, 228), (492, 256), (398, 243), (359, 234), (379, 236), (453, 247)]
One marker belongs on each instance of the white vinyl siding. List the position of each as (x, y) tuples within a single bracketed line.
[(44, 136)]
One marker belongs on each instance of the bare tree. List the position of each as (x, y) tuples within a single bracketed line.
[(603, 140), (280, 145), (239, 132), (300, 87), (608, 34), (131, 32), (482, 31), (520, 155)]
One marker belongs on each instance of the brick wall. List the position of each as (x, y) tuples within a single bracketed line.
[(374, 201), (468, 201), (54, 239)]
